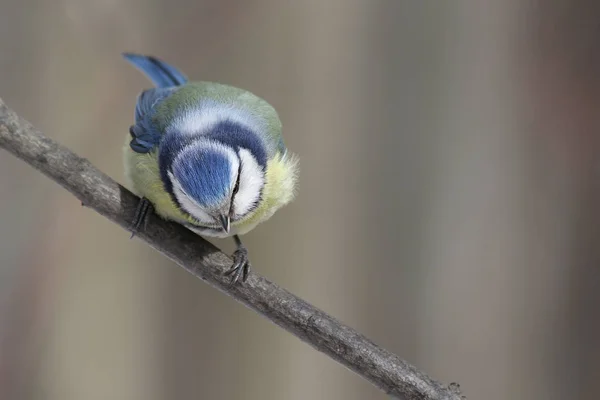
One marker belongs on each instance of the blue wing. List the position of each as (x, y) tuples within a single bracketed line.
[(145, 136)]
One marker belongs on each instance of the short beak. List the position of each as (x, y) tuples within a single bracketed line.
[(225, 221)]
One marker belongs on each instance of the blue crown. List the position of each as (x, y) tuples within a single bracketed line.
[(205, 175)]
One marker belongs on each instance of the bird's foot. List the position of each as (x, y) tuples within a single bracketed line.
[(144, 207), (241, 265)]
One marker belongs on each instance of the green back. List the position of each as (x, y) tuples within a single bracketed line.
[(192, 94)]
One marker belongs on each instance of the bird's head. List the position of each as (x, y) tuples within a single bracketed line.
[(215, 183)]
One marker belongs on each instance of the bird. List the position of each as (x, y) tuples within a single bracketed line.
[(206, 155)]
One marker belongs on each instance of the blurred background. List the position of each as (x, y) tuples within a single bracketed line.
[(449, 202)]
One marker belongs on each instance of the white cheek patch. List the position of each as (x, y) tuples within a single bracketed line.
[(188, 204), (252, 180)]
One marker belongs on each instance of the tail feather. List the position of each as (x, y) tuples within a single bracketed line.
[(159, 72)]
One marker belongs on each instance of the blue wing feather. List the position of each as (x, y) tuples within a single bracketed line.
[(144, 135), (148, 99)]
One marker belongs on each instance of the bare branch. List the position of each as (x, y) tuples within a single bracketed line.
[(197, 256)]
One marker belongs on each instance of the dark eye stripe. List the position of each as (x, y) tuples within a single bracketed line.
[(237, 182), (235, 188)]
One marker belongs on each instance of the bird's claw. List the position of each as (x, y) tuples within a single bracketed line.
[(141, 212), (241, 266)]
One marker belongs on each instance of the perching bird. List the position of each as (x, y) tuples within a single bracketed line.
[(206, 155)]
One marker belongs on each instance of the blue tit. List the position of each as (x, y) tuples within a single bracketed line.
[(206, 155)]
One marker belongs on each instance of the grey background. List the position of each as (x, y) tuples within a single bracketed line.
[(448, 204)]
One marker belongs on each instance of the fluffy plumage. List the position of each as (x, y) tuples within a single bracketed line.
[(200, 150)]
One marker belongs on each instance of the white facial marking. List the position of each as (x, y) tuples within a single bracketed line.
[(201, 119), (251, 182)]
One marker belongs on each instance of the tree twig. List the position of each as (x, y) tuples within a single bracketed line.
[(200, 258)]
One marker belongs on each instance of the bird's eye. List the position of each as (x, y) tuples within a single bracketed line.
[(237, 184), (235, 189)]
